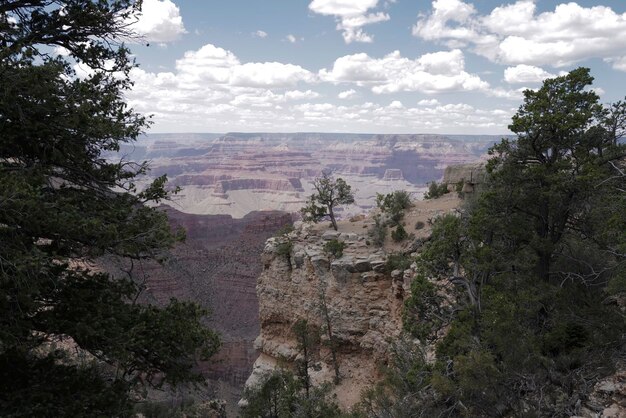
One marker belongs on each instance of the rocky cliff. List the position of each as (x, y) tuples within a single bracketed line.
[(363, 296)]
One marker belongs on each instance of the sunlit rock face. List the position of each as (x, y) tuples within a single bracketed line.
[(363, 299), (238, 173)]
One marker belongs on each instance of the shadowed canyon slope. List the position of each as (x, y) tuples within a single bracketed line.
[(217, 266), (238, 173)]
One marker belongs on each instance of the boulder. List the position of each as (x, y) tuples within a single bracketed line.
[(328, 235)]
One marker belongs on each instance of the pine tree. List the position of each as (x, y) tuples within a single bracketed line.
[(63, 204)]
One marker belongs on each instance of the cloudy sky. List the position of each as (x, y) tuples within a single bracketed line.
[(376, 66)]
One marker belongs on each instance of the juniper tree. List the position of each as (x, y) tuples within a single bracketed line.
[(329, 193)]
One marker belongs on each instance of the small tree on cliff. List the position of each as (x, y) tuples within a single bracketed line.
[(329, 194)]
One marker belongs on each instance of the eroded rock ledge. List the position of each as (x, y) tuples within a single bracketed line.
[(364, 298)]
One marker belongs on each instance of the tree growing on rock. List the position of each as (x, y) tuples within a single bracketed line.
[(329, 193)]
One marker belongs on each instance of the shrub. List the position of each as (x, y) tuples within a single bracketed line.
[(284, 248), (284, 230), (399, 234), (394, 204), (459, 189), (419, 225), (378, 232), (398, 261), (334, 248), (436, 190)]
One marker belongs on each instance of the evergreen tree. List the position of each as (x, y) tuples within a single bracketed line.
[(62, 205), (329, 194), (536, 257)]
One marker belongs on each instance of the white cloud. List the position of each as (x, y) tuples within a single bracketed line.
[(598, 90), (515, 34), (211, 89), (301, 95), (159, 21), (260, 34), (430, 73), (211, 64), (264, 74), (291, 38), (347, 94), (351, 16), (525, 74), (619, 63), (428, 102)]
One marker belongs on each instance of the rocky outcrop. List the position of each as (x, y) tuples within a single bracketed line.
[(608, 399), (468, 176), (277, 184), (364, 299)]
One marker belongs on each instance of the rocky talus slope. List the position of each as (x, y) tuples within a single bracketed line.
[(364, 299)]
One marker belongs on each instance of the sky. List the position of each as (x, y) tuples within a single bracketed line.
[(367, 66)]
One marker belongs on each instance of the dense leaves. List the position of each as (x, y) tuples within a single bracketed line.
[(73, 342), (537, 259)]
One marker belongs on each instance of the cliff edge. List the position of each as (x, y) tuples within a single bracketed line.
[(362, 293)]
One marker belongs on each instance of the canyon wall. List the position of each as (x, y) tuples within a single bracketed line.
[(363, 298), (217, 267), (238, 173)]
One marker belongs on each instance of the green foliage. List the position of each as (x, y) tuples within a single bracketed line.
[(424, 311), (533, 258), (63, 204), (436, 190), (187, 408), (459, 189), (284, 248), (399, 234), (329, 193), (334, 248), (285, 230), (378, 232), (394, 204), (397, 261), (279, 394)]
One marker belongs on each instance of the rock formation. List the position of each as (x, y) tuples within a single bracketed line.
[(364, 299), (217, 267), (239, 173)]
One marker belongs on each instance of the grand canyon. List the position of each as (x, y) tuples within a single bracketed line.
[(237, 190)]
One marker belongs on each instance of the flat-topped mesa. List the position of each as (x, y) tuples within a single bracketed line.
[(280, 184), (393, 174), (362, 294)]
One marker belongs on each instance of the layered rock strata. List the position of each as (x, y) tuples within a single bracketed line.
[(363, 298)]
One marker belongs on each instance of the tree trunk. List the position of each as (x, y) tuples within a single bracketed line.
[(329, 331), (332, 217)]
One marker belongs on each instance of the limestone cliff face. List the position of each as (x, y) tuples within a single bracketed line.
[(363, 298), (364, 304)]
